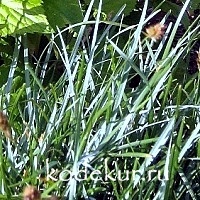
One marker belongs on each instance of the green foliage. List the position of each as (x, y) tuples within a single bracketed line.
[(62, 12), (138, 143), (174, 9), (194, 4), (112, 7), (18, 17)]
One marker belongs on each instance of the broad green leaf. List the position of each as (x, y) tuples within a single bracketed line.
[(62, 12), (20, 16)]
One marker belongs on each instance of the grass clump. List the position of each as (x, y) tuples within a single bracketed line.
[(87, 134)]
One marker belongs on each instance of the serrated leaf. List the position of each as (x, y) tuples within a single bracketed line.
[(62, 12), (22, 16), (112, 7)]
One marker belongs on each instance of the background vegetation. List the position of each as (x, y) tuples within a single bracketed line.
[(93, 85)]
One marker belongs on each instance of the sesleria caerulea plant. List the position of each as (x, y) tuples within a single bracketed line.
[(88, 135)]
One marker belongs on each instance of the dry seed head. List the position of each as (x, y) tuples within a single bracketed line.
[(155, 32), (4, 125), (31, 193)]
